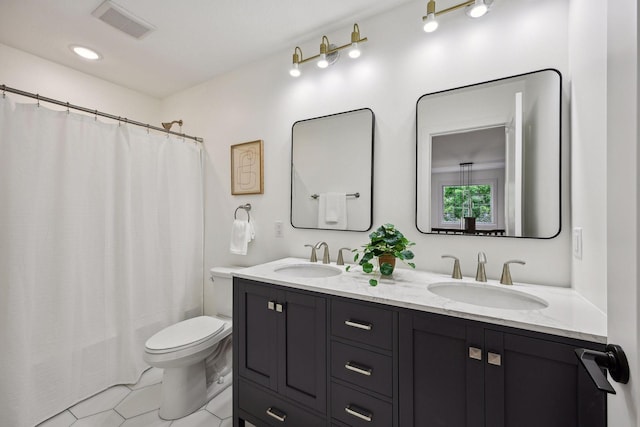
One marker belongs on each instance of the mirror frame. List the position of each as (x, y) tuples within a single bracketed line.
[(291, 177), (559, 148)]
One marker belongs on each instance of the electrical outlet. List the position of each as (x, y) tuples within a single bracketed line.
[(577, 242), (277, 228)]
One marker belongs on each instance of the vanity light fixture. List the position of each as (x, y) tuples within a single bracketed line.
[(329, 53), (473, 9)]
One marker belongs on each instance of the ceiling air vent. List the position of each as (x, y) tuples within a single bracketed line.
[(120, 18)]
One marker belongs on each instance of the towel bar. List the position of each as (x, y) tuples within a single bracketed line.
[(356, 195)]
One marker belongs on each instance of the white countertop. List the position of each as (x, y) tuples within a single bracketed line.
[(568, 314)]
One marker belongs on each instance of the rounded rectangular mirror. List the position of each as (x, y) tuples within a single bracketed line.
[(332, 171), (488, 158)]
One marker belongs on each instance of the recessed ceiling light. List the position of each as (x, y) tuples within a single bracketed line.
[(85, 52)]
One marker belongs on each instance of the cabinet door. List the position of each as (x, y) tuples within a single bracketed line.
[(256, 333), (302, 343), (441, 378), (532, 382)]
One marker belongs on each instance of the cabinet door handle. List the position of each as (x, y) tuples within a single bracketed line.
[(475, 353), (351, 410), (277, 414), (494, 359), (359, 325), (363, 370), (279, 307), (271, 305)]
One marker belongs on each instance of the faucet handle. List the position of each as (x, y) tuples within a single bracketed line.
[(481, 275), (340, 260), (505, 278), (457, 274), (314, 257)]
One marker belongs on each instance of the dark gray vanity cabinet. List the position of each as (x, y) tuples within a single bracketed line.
[(306, 359), (460, 373), (280, 354)]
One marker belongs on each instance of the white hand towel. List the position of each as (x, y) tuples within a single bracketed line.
[(252, 231), (240, 236), (332, 211)]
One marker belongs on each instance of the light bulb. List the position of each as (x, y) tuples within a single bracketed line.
[(354, 51), (294, 71), (430, 23), (478, 9), (322, 62)]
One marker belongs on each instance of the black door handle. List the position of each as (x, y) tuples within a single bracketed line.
[(613, 359)]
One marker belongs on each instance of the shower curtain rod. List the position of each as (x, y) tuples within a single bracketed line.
[(36, 96)]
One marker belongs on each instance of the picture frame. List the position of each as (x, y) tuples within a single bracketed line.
[(247, 168)]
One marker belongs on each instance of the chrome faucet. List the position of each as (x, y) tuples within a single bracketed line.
[(481, 275), (505, 279), (457, 274), (313, 257), (325, 253), (340, 260)]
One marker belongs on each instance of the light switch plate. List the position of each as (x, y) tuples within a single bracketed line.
[(577, 242)]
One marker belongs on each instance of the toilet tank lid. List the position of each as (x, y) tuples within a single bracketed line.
[(224, 271)]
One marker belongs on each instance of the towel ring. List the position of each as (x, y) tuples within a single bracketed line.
[(246, 207)]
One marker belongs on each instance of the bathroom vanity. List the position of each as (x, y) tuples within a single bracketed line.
[(334, 351)]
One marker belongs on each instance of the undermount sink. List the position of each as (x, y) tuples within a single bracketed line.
[(487, 296), (308, 270)]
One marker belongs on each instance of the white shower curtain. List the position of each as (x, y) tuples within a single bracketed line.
[(100, 247)]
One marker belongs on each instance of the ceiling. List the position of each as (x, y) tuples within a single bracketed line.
[(194, 40)]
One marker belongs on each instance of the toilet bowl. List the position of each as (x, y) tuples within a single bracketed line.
[(181, 350)]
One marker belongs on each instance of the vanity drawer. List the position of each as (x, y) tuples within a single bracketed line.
[(362, 323), (365, 368), (358, 409), (273, 410)]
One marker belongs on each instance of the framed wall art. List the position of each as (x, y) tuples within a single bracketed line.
[(247, 168)]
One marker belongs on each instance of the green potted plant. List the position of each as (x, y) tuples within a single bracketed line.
[(387, 244)]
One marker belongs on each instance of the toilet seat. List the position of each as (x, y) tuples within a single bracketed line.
[(185, 334)]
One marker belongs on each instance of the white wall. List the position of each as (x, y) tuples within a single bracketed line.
[(399, 64), (30, 73), (588, 65)]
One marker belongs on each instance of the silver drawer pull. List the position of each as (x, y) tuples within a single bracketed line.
[(494, 359), (351, 411), (281, 416), (359, 369), (475, 353), (271, 305), (353, 324)]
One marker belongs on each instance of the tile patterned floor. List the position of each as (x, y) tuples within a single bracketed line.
[(136, 405)]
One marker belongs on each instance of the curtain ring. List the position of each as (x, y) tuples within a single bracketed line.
[(4, 94), (68, 107), (38, 99), (95, 117), (147, 128)]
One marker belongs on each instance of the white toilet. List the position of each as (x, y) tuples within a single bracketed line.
[(181, 350)]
